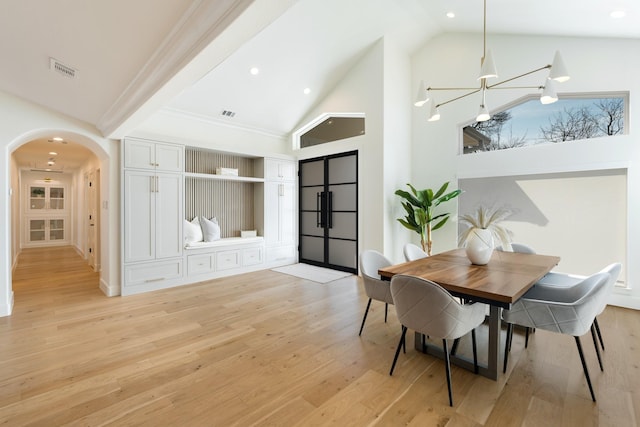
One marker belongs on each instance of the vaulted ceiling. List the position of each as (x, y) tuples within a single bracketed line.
[(132, 58)]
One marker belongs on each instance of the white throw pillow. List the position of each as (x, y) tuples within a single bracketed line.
[(210, 229), (192, 231)]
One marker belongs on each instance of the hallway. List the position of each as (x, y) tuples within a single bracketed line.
[(53, 273)]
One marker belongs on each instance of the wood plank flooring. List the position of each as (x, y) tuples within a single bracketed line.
[(268, 349)]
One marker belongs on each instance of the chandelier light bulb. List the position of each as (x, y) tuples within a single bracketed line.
[(422, 96), (558, 71), (434, 114), (549, 95), (483, 114)]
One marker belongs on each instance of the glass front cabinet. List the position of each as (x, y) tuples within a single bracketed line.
[(46, 198), (46, 220), (46, 230)]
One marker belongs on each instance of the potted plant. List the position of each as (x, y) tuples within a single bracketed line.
[(483, 229), (420, 206)]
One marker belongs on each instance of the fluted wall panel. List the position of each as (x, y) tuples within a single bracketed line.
[(231, 202)]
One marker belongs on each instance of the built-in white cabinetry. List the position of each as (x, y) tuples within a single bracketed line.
[(46, 231), (279, 210), (44, 198), (46, 221), (152, 188), (165, 184)]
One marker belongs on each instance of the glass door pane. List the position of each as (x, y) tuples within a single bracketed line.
[(37, 230), (56, 229), (56, 198), (36, 198)]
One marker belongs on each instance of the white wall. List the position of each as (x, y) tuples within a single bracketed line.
[(23, 122), (596, 65), (376, 86), (586, 235)]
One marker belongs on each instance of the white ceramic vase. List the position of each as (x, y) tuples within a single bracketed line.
[(479, 246)]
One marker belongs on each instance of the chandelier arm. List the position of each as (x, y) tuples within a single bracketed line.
[(452, 88), (519, 76), (459, 97), (517, 87)]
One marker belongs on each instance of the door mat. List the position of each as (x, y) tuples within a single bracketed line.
[(311, 272)]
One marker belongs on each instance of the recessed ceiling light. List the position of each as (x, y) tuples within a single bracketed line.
[(57, 139), (618, 14), (254, 71), (53, 153), (306, 91), (451, 15)]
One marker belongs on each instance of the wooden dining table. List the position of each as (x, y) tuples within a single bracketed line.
[(500, 283)]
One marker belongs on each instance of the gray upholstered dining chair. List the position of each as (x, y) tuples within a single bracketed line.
[(427, 308), (519, 248), (375, 288), (413, 252), (562, 279), (567, 310)]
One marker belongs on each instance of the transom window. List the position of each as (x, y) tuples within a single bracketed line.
[(528, 122)]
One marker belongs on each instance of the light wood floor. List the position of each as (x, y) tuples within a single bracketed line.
[(270, 349)]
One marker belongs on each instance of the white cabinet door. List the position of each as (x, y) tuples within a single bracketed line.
[(168, 206), (279, 213), (169, 157), (139, 216), (139, 154), (287, 213), (271, 213), (279, 170), (153, 156), (153, 215)]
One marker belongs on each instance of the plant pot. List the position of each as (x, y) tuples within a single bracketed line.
[(479, 246)]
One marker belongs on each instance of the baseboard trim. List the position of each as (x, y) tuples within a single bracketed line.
[(108, 290), (7, 308)]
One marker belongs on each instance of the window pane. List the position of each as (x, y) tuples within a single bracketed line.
[(532, 123)]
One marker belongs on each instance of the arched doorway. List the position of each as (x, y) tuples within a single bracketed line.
[(96, 174)]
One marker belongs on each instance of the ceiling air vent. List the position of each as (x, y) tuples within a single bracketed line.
[(227, 113), (62, 69)]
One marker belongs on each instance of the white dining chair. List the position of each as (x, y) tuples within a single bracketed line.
[(557, 279), (413, 252), (519, 248), (427, 308), (375, 288), (567, 310)]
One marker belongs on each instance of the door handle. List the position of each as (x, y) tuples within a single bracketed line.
[(330, 210), (318, 211)]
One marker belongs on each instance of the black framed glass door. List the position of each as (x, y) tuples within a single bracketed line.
[(329, 211)]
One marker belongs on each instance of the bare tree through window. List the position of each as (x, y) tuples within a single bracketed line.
[(531, 123)]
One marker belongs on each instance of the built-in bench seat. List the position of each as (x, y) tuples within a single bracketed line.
[(227, 241)]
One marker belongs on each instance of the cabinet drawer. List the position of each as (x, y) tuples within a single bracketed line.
[(147, 273), (281, 253), (252, 256), (198, 264), (228, 259)]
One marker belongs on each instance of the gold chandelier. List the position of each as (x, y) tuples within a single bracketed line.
[(557, 73)]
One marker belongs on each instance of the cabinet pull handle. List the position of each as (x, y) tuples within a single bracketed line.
[(154, 280), (280, 190)]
